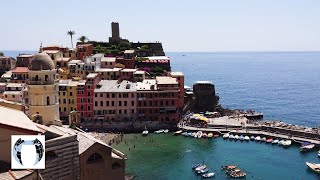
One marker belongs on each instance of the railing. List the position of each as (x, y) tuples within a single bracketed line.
[(42, 82)]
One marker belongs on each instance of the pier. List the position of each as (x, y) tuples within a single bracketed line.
[(225, 124)]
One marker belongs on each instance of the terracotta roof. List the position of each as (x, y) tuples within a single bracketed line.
[(15, 118), (20, 70)]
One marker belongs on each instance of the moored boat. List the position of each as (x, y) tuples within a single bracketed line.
[(226, 135), (216, 135), (246, 138), (229, 167), (319, 153), (145, 132), (184, 134), (236, 137), (177, 132), (196, 165), (208, 175), (258, 138), (275, 141), (287, 143), (281, 142), (252, 138), (203, 171), (159, 131), (241, 137), (306, 146), (204, 135), (166, 131), (210, 135), (198, 134), (314, 167), (231, 136), (263, 139), (269, 140), (200, 167)]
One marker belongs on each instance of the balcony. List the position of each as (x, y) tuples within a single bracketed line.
[(42, 82)]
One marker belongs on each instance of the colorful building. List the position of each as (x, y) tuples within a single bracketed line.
[(6, 64), (84, 50), (23, 60), (85, 94), (19, 75), (14, 92), (67, 98)]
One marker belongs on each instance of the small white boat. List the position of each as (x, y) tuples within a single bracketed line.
[(226, 135), (258, 138), (281, 142), (246, 138), (193, 134), (166, 131), (264, 139), (231, 136), (275, 141), (210, 135), (314, 167), (319, 153), (269, 140), (306, 146), (287, 143), (159, 131), (241, 137), (177, 132), (200, 168), (252, 138), (204, 135), (208, 175), (236, 137), (184, 134), (198, 134), (145, 132)]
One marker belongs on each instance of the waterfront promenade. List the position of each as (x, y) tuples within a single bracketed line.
[(224, 125)]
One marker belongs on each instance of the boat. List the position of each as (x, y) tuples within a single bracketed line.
[(184, 134), (258, 138), (287, 143), (306, 146), (319, 153), (200, 167), (204, 135), (166, 131), (275, 141), (190, 134), (208, 175), (314, 167), (145, 132), (193, 134), (198, 134), (216, 135), (203, 171), (264, 139), (246, 138), (196, 165), (281, 142), (231, 136), (226, 135), (177, 132), (210, 135), (241, 138), (252, 138), (159, 131), (236, 137), (229, 167), (238, 174), (269, 140)]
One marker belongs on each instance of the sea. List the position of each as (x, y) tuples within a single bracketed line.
[(284, 86)]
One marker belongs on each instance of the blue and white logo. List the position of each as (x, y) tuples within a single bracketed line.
[(27, 152)]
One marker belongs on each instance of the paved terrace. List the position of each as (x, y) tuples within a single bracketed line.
[(225, 124)]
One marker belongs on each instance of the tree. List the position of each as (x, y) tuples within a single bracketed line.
[(83, 39), (71, 33)]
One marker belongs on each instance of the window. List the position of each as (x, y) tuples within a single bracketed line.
[(46, 78), (89, 108), (132, 103), (108, 95), (172, 102), (113, 95), (125, 111), (64, 109), (70, 94), (101, 103), (95, 95), (101, 95), (48, 100), (112, 103), (125, 103), (96, 103), (119, 95), (167, 103), (107, 102), (120, 111), (81, 107), (95, 157), (132, 111), (120, 103), (150, 103)]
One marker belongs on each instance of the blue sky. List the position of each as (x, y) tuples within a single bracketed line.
[(188, 25)]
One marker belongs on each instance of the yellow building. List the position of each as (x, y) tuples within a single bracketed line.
[(43, 89), (67, 98)]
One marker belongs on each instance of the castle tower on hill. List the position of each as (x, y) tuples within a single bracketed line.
[(43, 89), (115, 38)]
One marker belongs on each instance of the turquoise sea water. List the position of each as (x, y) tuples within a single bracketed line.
[(171, 157)]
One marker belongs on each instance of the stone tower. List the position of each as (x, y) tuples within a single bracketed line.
[(43, 89), (115, 38)]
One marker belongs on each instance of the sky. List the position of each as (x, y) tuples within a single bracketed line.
[(181, 25)]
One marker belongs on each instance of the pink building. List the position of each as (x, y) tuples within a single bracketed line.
[(180, 78), (14, 92), (108, 62), (115, 101)]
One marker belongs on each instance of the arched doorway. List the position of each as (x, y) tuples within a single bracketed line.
[(48, 100)]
